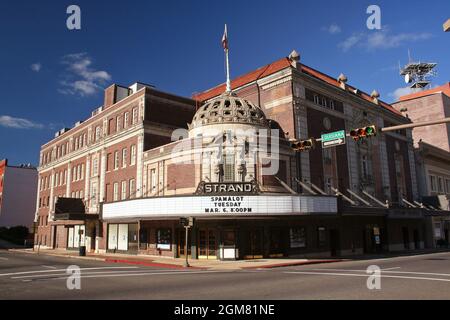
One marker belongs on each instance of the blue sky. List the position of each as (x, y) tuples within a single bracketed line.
[(52, 77)]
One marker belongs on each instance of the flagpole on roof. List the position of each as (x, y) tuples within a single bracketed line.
[(225, 47)]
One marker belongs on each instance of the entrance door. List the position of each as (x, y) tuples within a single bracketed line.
[(254, 244), (182, 241), (334, 242), (405, 237), (416, 239), (207, 244)]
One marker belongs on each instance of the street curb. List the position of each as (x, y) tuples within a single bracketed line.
[(151, 264), (290, 264)]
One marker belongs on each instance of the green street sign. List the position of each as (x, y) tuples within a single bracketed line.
[(333, 139)]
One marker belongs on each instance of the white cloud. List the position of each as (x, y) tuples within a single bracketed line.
[(18, 123), (332, 29), (351, 41), (36, 67), (381, 39), (403, 92), (82, 79)]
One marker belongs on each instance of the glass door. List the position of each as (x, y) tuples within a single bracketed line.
[(207, 244)]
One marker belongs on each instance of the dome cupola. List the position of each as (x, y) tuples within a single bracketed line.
[(228, 109)]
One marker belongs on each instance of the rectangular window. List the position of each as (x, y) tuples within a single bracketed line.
[(132, 188), (126, 119), (316, 99), (98, 133), (116, 191), (447, 185), (118, 123), (82, 172), (297, 237), (108, 160), (440, 185), (321, 237), (135, 116), (116, 160), (163, 238), (124, 157), (133, 155), (332, 104), (95, 166), (433, 185), (124, 190)]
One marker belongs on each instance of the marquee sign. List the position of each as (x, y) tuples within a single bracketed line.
[(227, 204), (227, 188)]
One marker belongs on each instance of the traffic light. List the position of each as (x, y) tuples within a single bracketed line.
[(365, 132), (303, 145)]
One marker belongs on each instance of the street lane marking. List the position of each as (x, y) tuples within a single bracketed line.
[(43, 271), (365, 275), (50, 267), (388, 271), (1, 258), (137, 274), (349, 270), (82, 274)]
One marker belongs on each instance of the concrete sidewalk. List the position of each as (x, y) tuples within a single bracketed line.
[(178, 263)]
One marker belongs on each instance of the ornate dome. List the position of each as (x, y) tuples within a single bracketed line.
[(228, 108)]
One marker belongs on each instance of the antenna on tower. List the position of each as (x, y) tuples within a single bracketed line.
[(418, 74)]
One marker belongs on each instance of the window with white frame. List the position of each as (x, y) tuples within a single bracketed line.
[(134, 115), (116, 159), (118, 123), (124, 157), (98, 132), (132, 188), (116, 191), (126, 118), (95, 166), (123, 195), (133, 155)]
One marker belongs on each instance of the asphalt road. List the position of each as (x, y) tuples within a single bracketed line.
[(29, 276)]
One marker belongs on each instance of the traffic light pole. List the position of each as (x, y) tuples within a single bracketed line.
[(405, 126), (416, 125), (186, 263)]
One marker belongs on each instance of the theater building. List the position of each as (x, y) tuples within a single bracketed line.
[(230, 166)]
